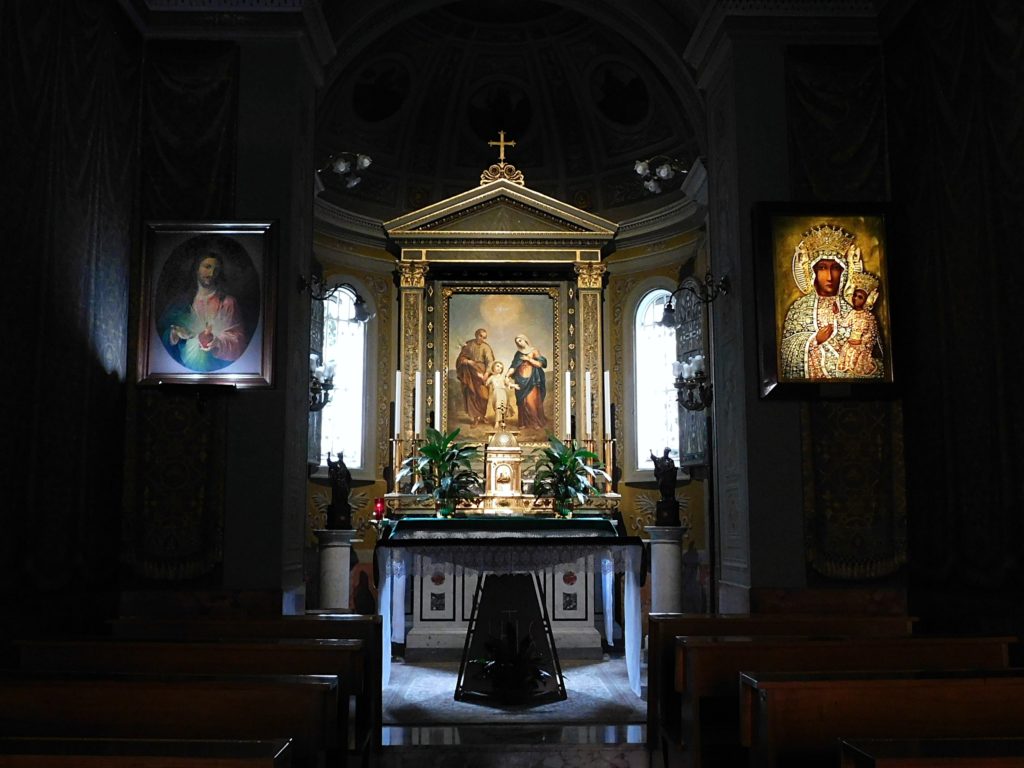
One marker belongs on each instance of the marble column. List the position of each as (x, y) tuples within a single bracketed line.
[(335, 567), (666, 567)]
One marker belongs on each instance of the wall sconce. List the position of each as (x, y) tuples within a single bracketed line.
[(321, 382), (706, 292), (347, 165), (318, 292), (658, 169), (693, 389)]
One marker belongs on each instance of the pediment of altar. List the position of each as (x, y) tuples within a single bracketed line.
[(497, 213)]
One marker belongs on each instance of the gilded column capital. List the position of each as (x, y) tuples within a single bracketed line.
[(413, 274), (590, 275)]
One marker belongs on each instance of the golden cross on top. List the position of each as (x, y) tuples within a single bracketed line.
[(501, 144)]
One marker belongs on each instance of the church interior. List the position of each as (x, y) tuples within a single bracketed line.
[(602, 189)]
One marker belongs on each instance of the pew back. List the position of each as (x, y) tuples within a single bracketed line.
[(786, 716), (302, 708), (142, 753), (663, 628), (707, 671), (331, 626)]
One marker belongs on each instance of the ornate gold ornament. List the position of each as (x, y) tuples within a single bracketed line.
[(413, 274), (501, 169), (590, 275)]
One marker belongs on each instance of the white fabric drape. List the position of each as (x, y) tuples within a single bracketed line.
[(396, 559)]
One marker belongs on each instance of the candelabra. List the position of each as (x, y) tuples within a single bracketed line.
[(347, 165), (693, 388), (321, 382), (658, 169)]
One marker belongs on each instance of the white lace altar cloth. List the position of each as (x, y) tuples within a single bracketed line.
[(516, 552)]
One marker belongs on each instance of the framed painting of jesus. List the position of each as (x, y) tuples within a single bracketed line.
[(824, 300)]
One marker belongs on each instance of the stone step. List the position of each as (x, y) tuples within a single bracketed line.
[(515, 746)]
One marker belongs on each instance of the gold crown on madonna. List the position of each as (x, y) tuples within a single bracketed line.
[(827, 241)]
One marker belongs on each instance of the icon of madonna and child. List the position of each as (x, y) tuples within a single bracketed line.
[(835, 328), (500, 366), (207, 302)]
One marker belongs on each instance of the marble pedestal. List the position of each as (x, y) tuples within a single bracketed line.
[(335, 567), (666, 567)]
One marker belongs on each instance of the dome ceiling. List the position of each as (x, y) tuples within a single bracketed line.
[(424, 98)]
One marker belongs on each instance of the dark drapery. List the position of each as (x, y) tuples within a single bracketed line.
[(855, 524), (174, 491), (956, 99), (68, 128)]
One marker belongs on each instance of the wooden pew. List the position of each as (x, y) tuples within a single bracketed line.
[(663, 628), (330, 626), (931, 753), (344, 658), (798, 718), (142, 753), (707, 672), (302, 708)]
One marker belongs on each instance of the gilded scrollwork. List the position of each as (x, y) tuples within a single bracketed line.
[(590, 275), (413, 274)]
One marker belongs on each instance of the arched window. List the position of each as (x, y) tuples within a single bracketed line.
[(342, 419), (656, 412)]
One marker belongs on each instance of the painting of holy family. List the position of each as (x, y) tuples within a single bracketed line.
[(502, 362)]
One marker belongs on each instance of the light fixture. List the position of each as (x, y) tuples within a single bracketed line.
[(657, 170), (706, 292), (318, 292), (347, 165), (693, 389), (321, 382)]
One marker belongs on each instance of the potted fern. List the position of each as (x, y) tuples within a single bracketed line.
[(566, 472), (443, 471)]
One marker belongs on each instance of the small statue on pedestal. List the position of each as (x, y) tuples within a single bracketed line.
[(339, 512), (667, 509)]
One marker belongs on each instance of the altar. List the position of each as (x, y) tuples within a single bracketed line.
[(434, 551)]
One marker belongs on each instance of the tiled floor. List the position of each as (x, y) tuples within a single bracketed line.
[(518, 744)]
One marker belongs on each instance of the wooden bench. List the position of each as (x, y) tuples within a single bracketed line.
[(798, 718), (663, 628), (707, 673), (933, 753), (344, 658), (302, 708), (331, 626), (142, 753)]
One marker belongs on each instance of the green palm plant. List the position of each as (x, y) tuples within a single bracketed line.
[(443, 471), (567, 473)]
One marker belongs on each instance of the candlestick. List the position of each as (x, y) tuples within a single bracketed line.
[(587, 408), (398, 403), (417, 416), (437, 400), (568, 406), (607, 404)]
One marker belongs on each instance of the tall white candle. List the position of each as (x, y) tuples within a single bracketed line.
[(587, 408), (417, 416), (568, 405), (398, 404), (437, 400), (607, 394)]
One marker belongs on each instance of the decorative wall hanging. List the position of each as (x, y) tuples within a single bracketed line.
[(207, 304)]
